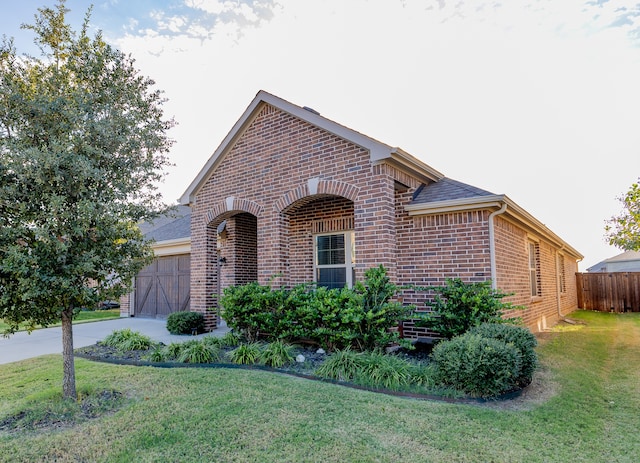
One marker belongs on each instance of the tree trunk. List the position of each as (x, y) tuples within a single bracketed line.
[(68, 365)]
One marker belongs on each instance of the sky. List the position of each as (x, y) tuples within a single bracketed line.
[(537, 99)]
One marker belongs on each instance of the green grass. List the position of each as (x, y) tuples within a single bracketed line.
[(82, 317), (193, 415)]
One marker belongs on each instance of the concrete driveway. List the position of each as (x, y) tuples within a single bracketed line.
[(22, 345)]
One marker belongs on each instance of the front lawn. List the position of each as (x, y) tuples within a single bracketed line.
[(585, 409)]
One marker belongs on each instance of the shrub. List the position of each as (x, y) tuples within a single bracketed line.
[(185, 322), (159, 354), (199, 352), (246, 354), (422, 375), (378, 312), (334, 318), (521, 338), (252, 309), (458, 306), (230, 339), (277, 354), (127, 340), (342, 365), (478, 366), (384, 371), (174, 350)]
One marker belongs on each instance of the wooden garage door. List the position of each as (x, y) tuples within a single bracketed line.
[(163, 287)]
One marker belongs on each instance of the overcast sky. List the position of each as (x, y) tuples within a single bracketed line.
[(538, 100)]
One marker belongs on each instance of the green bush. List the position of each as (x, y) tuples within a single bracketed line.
[(277, 354), (159, 354), (253, 309), (384, 371), (185, 323), (342, 365), (200, 352), (458, 306), (475, 365), (246, 354), (230, 339), (375, 369), (422, 375), (174, 350), (360, 318), (521, 338), (127, 340)]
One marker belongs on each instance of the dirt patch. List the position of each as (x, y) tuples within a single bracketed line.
[(60, 414), (541, 389)]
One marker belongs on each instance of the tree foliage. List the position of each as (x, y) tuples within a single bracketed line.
[(623, 231), (82, 147)]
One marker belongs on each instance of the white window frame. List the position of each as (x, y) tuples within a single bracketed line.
[(534, 268), (349, 260)]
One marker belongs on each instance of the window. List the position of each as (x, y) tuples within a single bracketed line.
[(561, 275), (534, 275), (335, 258)]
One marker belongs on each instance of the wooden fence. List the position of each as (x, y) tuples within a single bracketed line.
[(609, 292)]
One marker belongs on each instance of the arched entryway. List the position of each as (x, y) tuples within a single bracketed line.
[(321, 241)]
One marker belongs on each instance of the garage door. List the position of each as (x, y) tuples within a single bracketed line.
[(163, 287)]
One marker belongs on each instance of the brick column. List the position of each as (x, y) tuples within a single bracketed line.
[(203, 269), (375, 227)]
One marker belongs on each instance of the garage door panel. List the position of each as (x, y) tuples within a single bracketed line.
[(163, 287)]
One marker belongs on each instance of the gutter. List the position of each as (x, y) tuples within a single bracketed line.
[(516, 213), (492, 245)]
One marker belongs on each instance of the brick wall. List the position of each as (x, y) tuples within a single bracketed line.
[(324, 215), (512, 268), (273, 171), (433, 248), (283, 180)]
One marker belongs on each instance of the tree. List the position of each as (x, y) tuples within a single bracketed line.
[(623, 231), (82, 147)]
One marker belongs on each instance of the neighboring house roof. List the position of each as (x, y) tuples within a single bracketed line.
[(171, 232), (628, 261), (178, 228), (174, 215), (438, 194)]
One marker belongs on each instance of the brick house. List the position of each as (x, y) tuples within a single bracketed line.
[(290, 196)]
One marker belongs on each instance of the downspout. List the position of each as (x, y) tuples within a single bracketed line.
[(492, 245), (558, 288)]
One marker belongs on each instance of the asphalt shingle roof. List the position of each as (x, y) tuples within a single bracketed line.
[(174, 225), (447, 189)]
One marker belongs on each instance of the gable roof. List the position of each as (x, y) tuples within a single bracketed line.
[(439, 194), (378, 152), (174, 225), (625, 257)]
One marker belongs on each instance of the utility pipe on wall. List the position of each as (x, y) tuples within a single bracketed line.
[(492, 245), (558, 287)]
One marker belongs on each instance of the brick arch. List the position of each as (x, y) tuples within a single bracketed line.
[(230, 206), (313, 189)]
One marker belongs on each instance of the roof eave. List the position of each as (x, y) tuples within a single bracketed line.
[(378, 151), (455, 205), (513, 211), (400, 158), (375, 148), (172, 247)]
